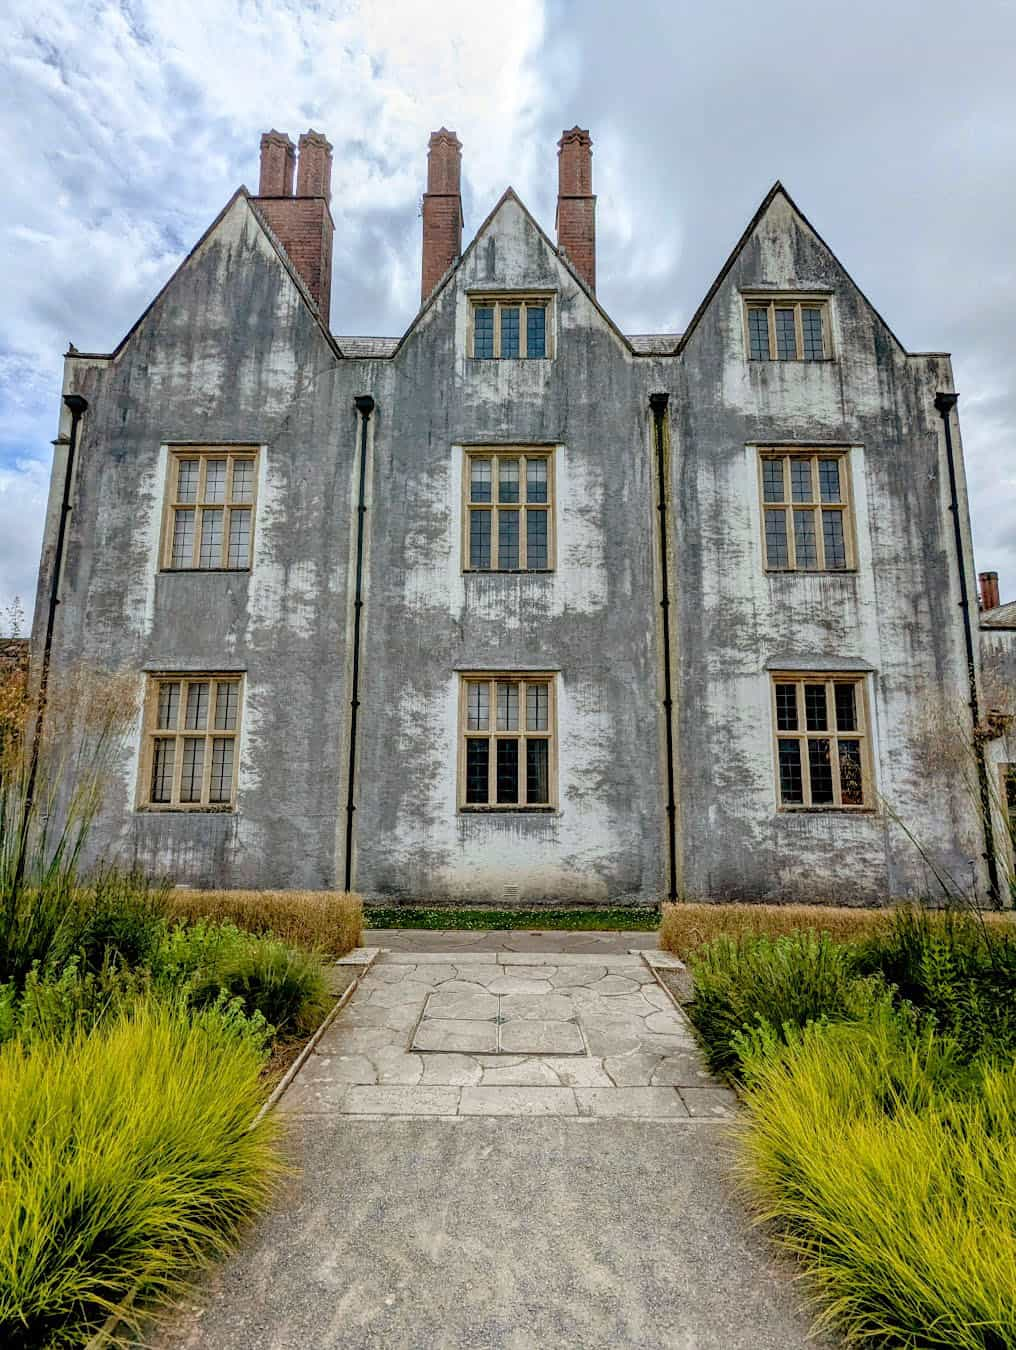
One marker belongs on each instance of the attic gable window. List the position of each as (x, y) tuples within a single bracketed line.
[(787, 328), (509, 328)]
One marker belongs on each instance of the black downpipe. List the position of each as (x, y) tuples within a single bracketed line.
[(364, 406), (77, 407), (945, 403), (658, 403)]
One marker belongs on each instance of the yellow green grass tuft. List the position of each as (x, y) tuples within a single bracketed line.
[(127, 1158)]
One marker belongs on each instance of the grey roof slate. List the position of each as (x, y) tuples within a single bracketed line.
[(367, 347), (1002, 617), (653, 344)]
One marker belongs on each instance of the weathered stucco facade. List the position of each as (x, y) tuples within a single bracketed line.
[(234, 353)]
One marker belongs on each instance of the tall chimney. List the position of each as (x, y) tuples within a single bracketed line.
[(442, 208), (302, 223), (576, 205), (989, 590)]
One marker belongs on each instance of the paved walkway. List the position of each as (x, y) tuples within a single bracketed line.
[(502, 1148)]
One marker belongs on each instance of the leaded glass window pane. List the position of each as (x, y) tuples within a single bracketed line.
[(786, 335), (508, 539), (846, 707), (851, 782), (508, 480), (483, 331), (210, 554), (805, 540), (791, 780), (478, 705), (192, 769), (777, 549), (220, 788), (215, 480), (477, 771), (479, 479), (163, 763), (196, 718), (786, 707), (169, 705), (243, 480), (820, 771), (509, 331), (479, 539), (239, 537), (188, 471), (537, 707), (811, 331), (536, 330), (536, 539), (537, 772), (800, 479), (507, 772), (536, 480), (829, 479), (773, 488), (183, 538), (833, 540), (815, 712), (507, 705), (758, 334), (227, 704)]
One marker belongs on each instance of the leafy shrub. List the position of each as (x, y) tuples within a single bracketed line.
[(55, 1004), (126, 1156), (120, 916), (888, 1164), (781, 981), (286, 985), (327, 921), (958, 970)]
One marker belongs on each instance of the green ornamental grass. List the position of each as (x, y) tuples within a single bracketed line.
[(889, 1166), (126, 1157)]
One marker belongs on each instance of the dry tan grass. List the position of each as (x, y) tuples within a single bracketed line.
[(330, 921), (685, 927)]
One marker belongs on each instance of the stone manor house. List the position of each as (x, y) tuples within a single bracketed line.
[(517, 607)]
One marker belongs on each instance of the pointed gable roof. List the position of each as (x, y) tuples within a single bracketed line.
[(240, 194), (777, 190)]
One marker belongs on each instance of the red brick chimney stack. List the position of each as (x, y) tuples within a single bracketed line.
[(278, 160), (576, 204), (989, 590), (442, 208), (302, 224)]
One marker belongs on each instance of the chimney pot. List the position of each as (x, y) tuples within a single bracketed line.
[(576, 204), (989, 590), (442, 208), (278, 160)]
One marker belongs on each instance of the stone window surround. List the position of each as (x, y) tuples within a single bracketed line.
[(522, 506), (543, 676), (845, 504), (203, 451), (771, 300), (209, 733), (826, 674), (496, 297)]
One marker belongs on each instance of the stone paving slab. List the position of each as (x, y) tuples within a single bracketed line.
[(510, 940)]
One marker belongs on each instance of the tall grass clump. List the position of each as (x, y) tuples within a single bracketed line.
[(326, 921), (126, 1157), (785, 981), (686, 926), (887, 1163)]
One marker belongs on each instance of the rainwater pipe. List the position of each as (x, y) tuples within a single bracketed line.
[(364, 406), (658, 404)]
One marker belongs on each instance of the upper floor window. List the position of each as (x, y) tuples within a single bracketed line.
[(787, 328), (822, 742), (192, 724), (806, 511), (509, 510), (210, 509), (512, 327)]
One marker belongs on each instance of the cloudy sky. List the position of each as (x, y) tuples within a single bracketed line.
[(127, 125)]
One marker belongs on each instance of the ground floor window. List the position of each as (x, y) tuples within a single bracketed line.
[(1008, 773), (192, 726), (507, 749), (822, 743)]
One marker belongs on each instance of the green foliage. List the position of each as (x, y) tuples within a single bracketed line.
[(888, 1163), (286, 985), (126, 1155), (780, 982), (637, 918), (959, 971), (120, 916)]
